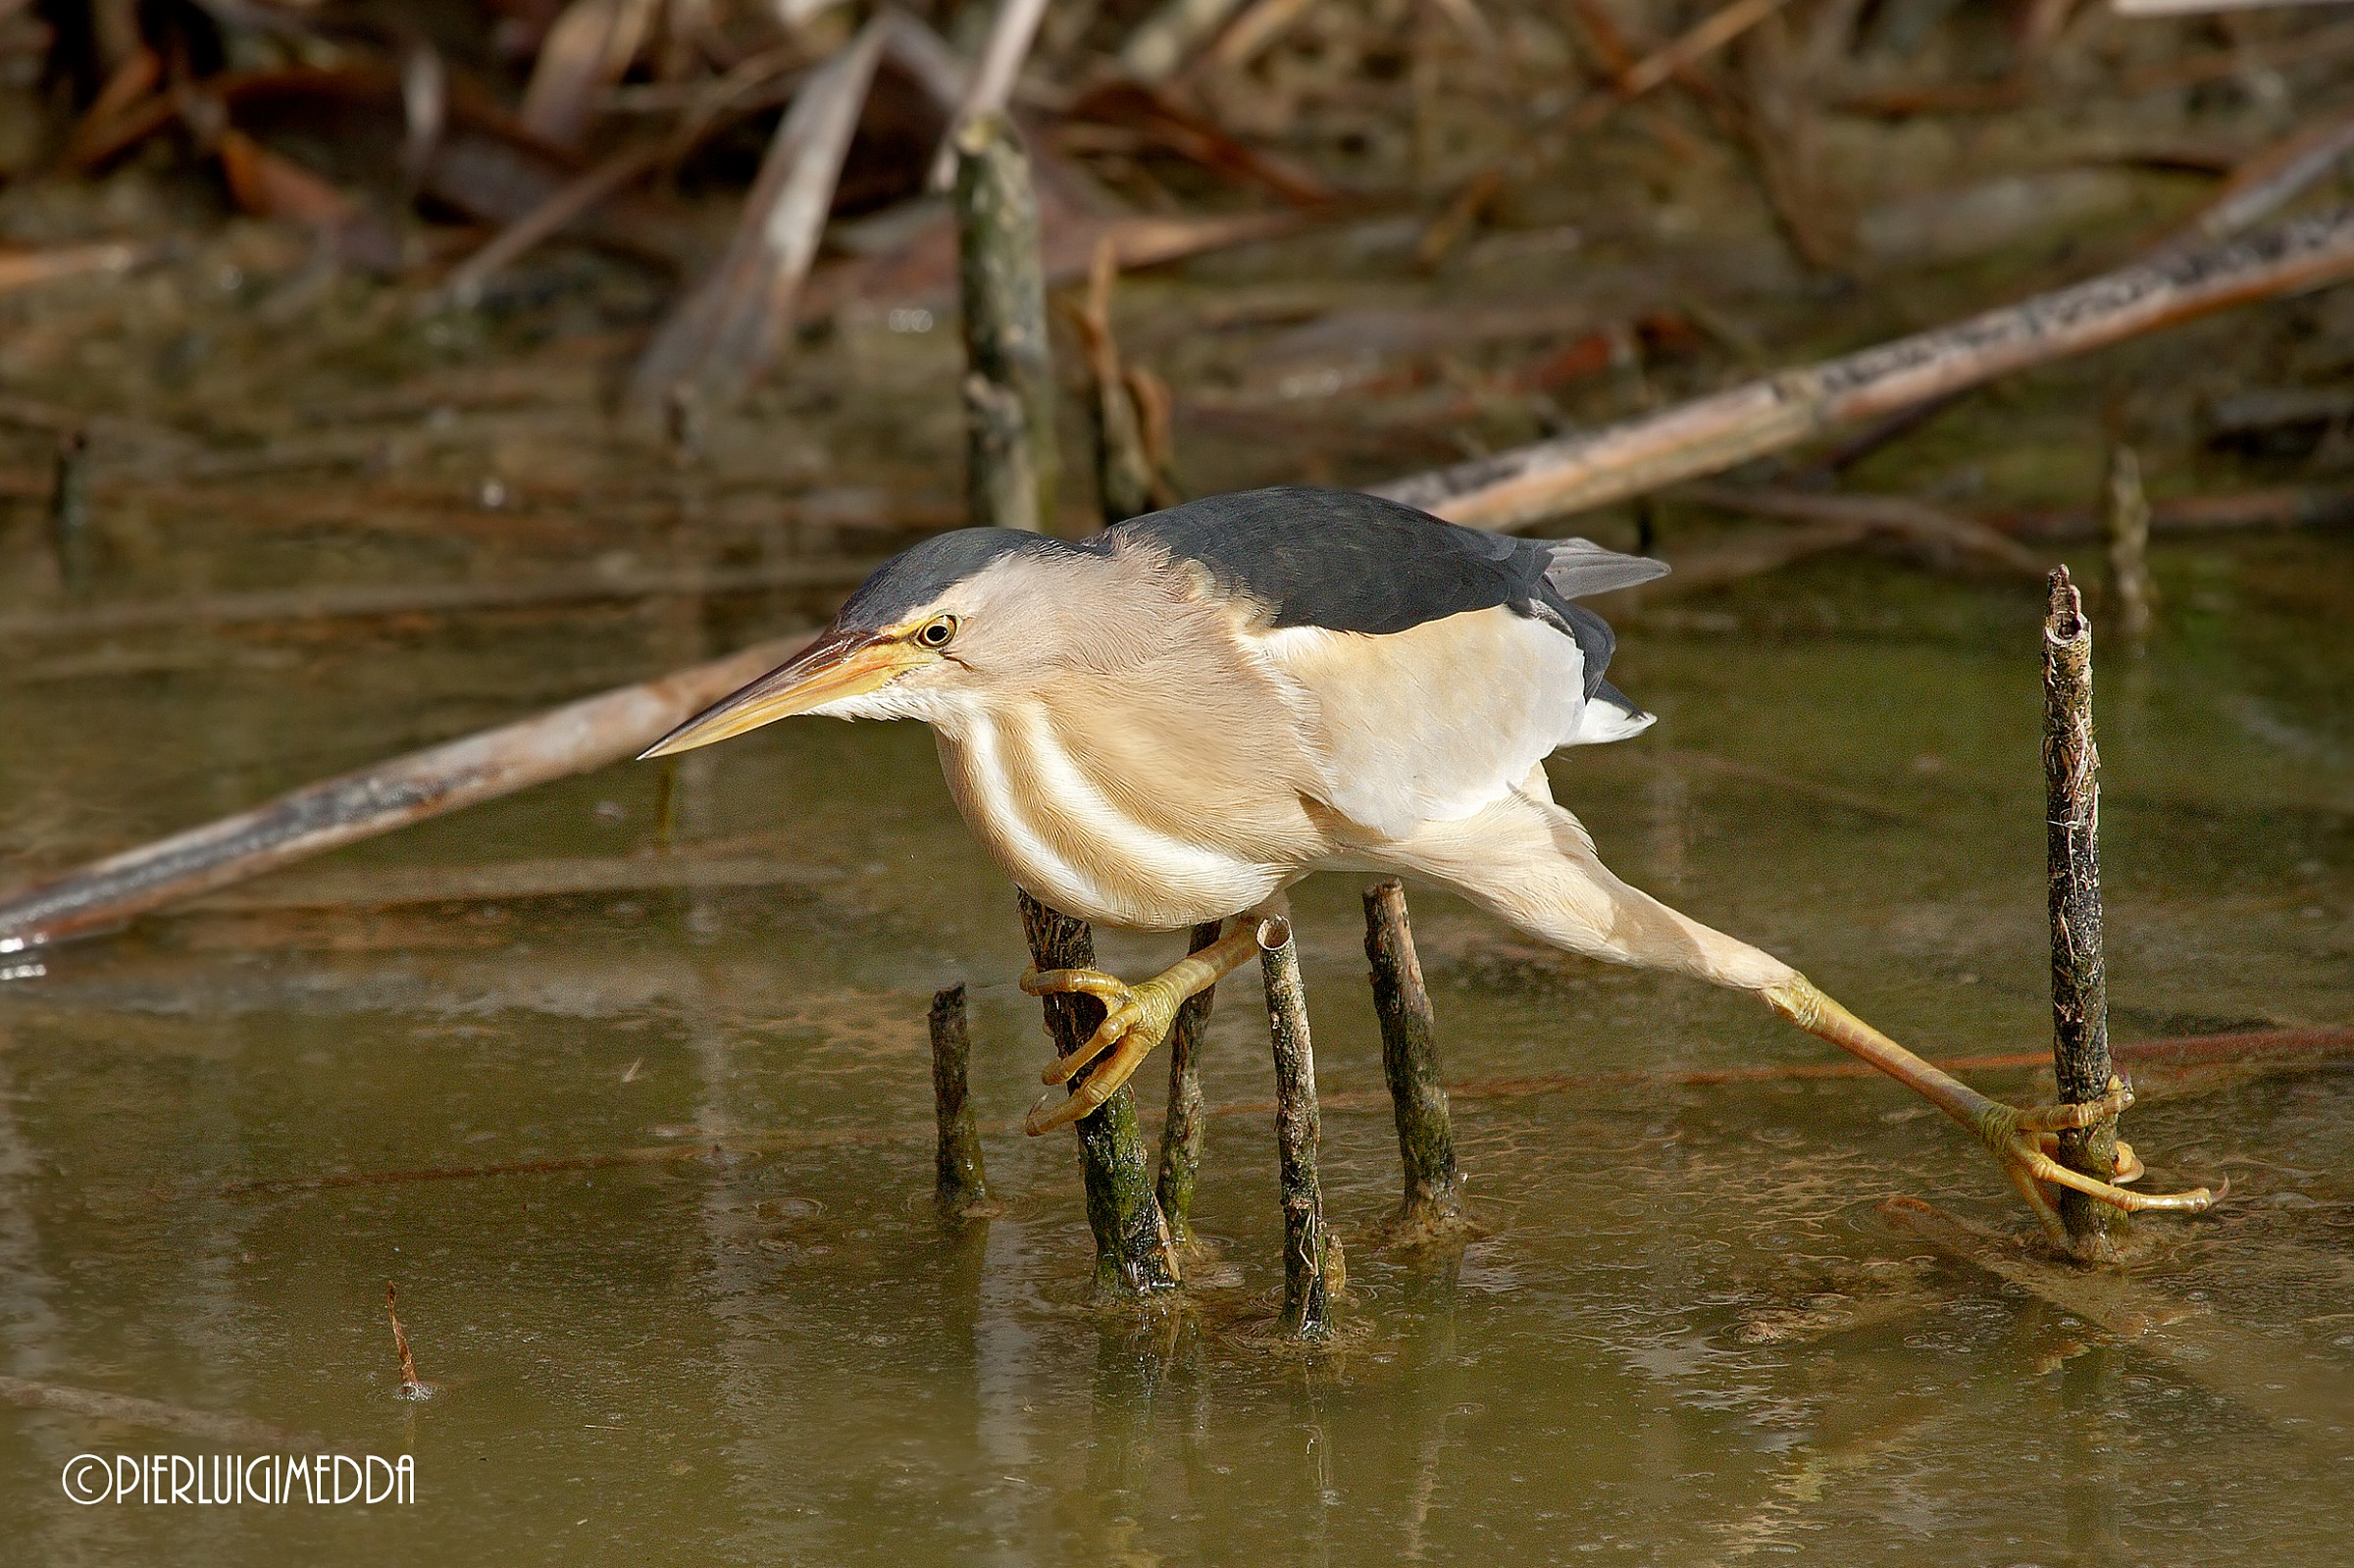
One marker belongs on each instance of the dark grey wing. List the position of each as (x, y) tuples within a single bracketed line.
[(1345, 561), (1350, 562)]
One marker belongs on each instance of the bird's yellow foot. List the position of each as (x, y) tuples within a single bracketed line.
[(1135, 1019), (2025, 1139)]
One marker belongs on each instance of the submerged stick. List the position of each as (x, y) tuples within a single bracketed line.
[(206, 1426), (1181, 1133), (1433, 1201), (2294, 1049), (1512, 489), (1010, 412), (577, 737), (1134, 1255), (960, 1185), (1308, 1250), (2072, 843), (1902, 517)]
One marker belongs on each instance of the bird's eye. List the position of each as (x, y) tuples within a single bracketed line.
[(936, 631)]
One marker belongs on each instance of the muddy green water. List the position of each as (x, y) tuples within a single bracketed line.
[(1688, 1338)]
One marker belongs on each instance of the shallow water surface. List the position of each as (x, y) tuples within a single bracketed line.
[(651, 1168)]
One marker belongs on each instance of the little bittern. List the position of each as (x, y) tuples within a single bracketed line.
[(1174, 721)]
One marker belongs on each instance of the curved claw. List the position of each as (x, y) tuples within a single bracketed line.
[(1120, 1015), (1139, 1020), (2024, 1139), (1135, 1019), (1097, 1087)]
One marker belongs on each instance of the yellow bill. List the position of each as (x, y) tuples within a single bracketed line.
[(841, 663)]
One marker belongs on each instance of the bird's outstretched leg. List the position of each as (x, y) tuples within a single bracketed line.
[(2021, 1138), (1135, 1019), (1531, 862)]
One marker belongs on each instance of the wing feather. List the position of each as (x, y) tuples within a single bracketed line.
[(1434, 723)]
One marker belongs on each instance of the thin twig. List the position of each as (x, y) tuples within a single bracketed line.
[(1515, 489), (412, 1386), (574, 738), (1713, 33), (721, 338)]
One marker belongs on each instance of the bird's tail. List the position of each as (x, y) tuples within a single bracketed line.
[(1609, 714), (1580, 568)]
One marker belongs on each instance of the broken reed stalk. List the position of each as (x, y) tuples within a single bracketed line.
[(577, 737), (2072, 843), (1433, 1201), (1310, 1254), (1512, 489), (1134, 1255), (960, 1185), (1125, 479), (1181, 1133), (2126, 525), (1012, 468), (70, 513), (721, 336), (412, 1386), (990, 87)]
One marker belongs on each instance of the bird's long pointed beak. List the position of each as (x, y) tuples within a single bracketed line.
[(841, 663)]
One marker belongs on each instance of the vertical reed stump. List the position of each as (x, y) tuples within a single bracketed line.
[(1433, 1200), (961, 1186), (1309, 1254), (1013, 466), (2072, 843), (2126, 525), (1181, 1133), (70, 514), (1134, 1255)]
